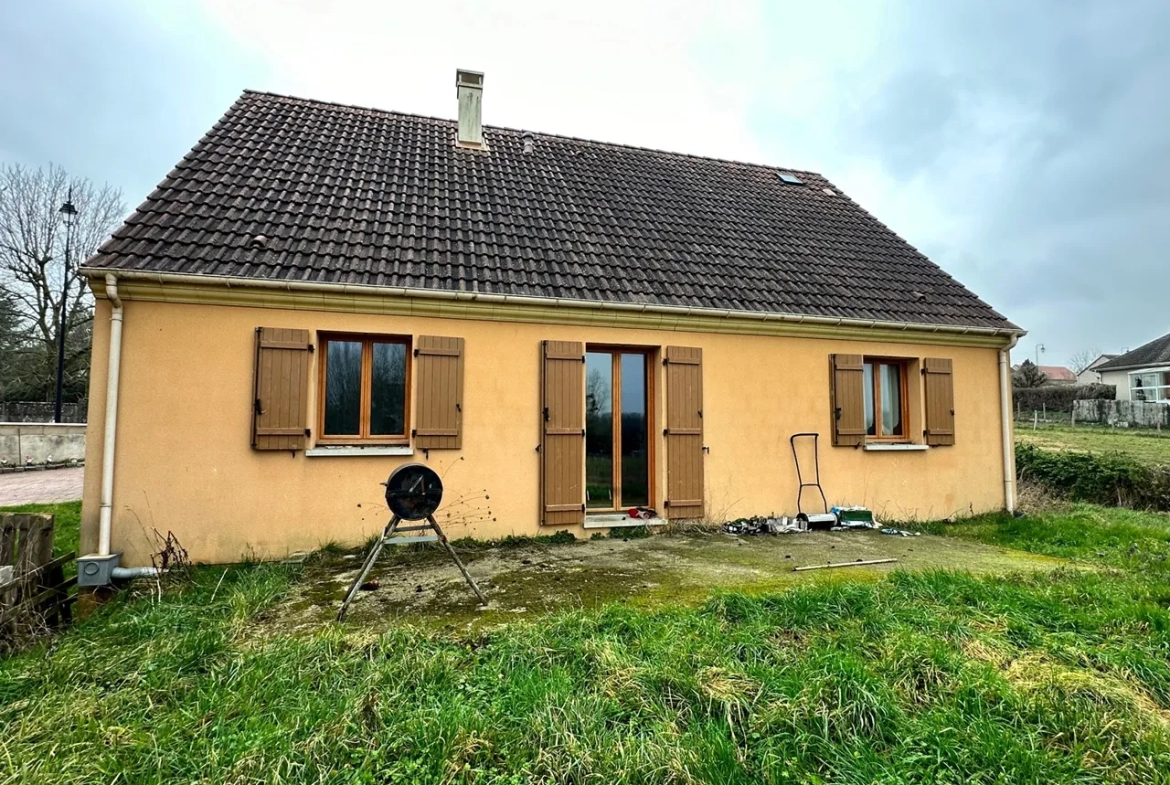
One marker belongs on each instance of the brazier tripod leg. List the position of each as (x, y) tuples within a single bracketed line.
[(369, 565), (455, 558)]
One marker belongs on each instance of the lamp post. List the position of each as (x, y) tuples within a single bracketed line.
[(1039, 348), (69, 212)]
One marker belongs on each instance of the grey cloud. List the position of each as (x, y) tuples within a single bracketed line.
[(1071, 228)]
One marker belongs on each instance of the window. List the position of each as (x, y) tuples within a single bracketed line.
[(1149, 385), (884, 398), (364, 381), (617, 445)]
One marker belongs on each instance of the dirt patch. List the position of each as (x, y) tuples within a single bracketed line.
[(421, 585)]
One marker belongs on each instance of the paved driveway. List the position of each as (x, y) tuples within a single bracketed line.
[(54, 485)]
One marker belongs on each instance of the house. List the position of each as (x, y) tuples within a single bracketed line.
[(1142, 374), (562, 328), (1057, 374), (1090, 374)]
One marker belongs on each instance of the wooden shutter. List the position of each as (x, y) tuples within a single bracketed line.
[(562, 445), (846, 396), (684, 432), (940, 401), (438, 375), (281, 394)]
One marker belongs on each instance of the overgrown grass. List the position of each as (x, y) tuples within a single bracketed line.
[(1145, 445), (935, 677)]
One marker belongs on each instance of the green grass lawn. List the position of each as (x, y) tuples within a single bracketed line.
[(1149, 446), (936, 677)]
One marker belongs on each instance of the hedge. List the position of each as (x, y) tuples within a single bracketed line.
[(1060, 397), (1107, 478)]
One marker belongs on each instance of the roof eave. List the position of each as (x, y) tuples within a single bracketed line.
[(161, 278)]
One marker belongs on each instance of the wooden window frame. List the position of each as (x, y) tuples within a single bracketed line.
[(367, 340), (615, 352), (903, 364)]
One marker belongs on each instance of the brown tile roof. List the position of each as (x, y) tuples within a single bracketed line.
[(1156, 352), (1057, 373), (349, 195)]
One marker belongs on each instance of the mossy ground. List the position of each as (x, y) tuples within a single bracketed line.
[(525, 579)]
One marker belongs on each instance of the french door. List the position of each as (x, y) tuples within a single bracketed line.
[(618, 455)]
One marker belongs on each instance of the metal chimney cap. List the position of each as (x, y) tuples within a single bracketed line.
[(465, 78)]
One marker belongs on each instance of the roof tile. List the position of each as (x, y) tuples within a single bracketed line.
[(386, 199)]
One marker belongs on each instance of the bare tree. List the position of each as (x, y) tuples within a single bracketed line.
[(1082, 359), (34, 276)]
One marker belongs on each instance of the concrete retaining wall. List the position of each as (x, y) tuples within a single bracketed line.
[(31, 411), (40, 443), (1123, 414)]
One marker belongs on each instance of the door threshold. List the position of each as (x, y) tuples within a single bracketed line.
[(613, 520)]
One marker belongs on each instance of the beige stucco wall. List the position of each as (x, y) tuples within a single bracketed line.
[(184, 463)]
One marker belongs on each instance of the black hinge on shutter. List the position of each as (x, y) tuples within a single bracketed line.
[(259, 408)]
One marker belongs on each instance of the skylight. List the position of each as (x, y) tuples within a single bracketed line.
[(790, 178)]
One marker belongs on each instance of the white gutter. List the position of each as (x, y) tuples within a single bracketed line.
[(111, 425), (1005, 392), (521, 300)]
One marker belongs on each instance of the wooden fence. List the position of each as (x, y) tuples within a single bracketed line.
[(33, 590)]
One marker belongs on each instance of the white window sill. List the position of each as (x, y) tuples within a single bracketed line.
[(880, 447), (350, 451), (615, 520)]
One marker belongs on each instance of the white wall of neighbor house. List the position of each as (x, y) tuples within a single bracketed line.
[(1154, 383)]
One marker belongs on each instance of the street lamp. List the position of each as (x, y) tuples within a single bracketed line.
[(69, 213), (1039, 348)]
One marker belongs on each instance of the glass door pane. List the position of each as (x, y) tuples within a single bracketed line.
[(635, 486), (599, 430)]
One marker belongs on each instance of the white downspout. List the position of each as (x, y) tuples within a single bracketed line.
[(105, 515), (1005, 384)]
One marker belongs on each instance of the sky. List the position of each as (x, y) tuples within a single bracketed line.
[(1024, 147)]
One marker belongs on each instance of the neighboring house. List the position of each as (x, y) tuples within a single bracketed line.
[(1057, 374), (1142, 374), (562, 328), (1090, 375)]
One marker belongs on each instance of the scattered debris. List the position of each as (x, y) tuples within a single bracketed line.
[(900, 532), (371, 585), (832, 566), (845, 526), (642, 513), (854, 514), (752, 526)]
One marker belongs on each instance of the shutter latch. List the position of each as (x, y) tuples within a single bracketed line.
[(546, 418), (259, 409), (837, 413)]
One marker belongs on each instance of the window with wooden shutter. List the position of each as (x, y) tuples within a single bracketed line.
[(562, 444), (279, 410), (847, 402), (684, 432), (939, 391), (438, 376)]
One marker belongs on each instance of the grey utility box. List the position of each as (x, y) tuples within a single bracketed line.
[(94, 570)]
